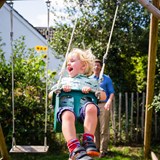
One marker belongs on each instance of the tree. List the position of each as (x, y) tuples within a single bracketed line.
[(127, 57)]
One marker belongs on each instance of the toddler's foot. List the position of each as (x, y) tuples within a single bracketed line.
[(79, 153), (91, 149)]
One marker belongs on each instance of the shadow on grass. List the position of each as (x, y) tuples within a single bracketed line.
[(47, 156)]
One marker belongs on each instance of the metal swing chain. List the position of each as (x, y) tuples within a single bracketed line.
[(48, 3), (13, 107), (108, 44)]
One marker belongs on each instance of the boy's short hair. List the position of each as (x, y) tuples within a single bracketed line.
[(98, 61)]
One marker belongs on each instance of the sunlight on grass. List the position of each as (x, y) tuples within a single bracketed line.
[(125, 153), (114, 153)]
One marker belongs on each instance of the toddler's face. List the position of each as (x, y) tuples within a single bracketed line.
[(75, 66)]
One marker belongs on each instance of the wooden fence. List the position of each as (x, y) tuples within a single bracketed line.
[(128, 118)]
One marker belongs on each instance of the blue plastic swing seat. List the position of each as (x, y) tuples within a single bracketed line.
[(77, 96)]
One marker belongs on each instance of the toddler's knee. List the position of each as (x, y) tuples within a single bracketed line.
[(68, 116), (91, 108)]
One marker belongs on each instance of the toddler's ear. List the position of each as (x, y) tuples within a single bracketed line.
[(83, 65)]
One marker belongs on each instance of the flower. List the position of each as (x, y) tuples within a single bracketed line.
[(45, 48), (37, 48)]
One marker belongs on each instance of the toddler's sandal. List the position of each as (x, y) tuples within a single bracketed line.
[(91, 149), (79, 153)]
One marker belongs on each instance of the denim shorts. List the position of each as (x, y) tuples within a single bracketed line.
[(81, 115)]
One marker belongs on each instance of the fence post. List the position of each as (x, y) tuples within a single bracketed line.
[(155, 124), (119, 118), (113, 118), (132, 105), (137, 119), (126, 100), (142, 117)]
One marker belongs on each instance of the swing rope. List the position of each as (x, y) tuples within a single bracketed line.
[(11, 43), (108, 44), (66, 55), (68, 49), (48, 3)]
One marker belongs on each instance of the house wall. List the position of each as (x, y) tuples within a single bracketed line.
[(22, 27)]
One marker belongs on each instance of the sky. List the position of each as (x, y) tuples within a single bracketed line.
[(35, 11)]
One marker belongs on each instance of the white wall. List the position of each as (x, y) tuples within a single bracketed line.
[(22, 28)]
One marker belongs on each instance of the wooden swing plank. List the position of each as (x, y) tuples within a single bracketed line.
[(29, 149)]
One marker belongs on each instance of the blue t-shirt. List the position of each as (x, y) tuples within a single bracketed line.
[(107, 85)]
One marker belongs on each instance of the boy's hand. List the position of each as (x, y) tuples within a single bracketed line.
[(86, 89), (66, 88)]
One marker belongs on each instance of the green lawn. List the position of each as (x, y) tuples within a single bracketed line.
[(115, 153)]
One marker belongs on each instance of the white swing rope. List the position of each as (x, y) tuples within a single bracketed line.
[(66, 55), (108, 44), (11, 43), (48, 3), (68, 49)]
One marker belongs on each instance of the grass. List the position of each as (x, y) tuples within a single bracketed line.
[(115, 153), (126, 153)]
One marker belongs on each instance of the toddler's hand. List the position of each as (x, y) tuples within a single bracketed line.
[(86, 89), (66, 88)]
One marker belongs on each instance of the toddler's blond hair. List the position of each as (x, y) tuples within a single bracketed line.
[(85, 56)]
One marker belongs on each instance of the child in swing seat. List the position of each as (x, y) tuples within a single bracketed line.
[(79, 68)]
